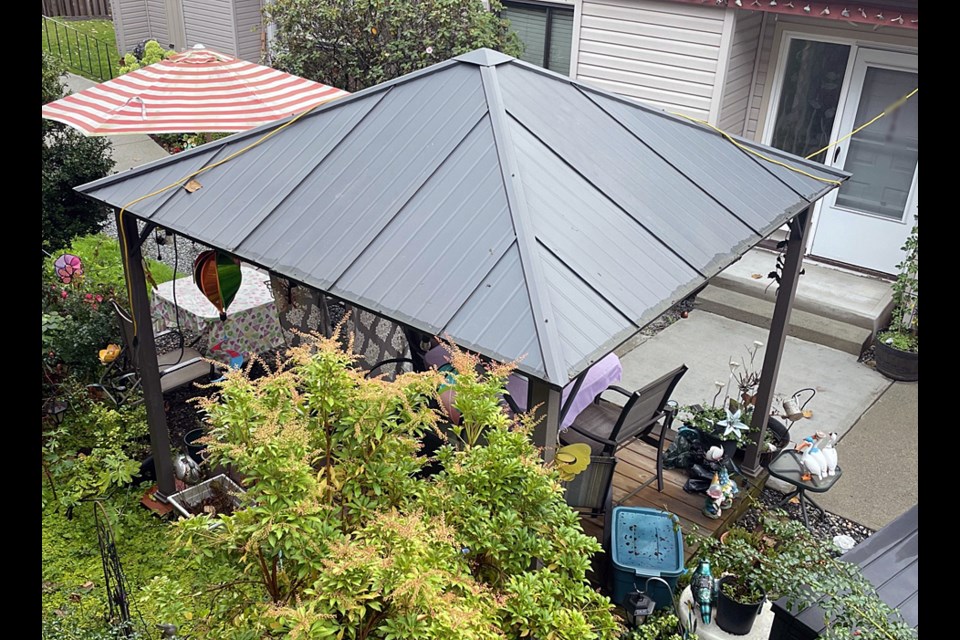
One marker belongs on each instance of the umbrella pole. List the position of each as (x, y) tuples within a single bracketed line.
[(545, 433), (789, 278), (147, 355)]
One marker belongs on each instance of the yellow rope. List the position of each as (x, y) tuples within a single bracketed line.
[(893, 107), (754, 152), (181, 181)]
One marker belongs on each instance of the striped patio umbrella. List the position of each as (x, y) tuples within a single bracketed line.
[(195, 91)]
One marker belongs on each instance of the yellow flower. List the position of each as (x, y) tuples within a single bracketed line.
[(109, 354)]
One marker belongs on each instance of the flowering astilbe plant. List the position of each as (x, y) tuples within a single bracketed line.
[(340, 535)]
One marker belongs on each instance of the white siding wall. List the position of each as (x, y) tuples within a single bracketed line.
[(764, 72), (662, 53), (740, 66), (157, 11), (131, 22), (762, 88), (248, 20), (210, 23)]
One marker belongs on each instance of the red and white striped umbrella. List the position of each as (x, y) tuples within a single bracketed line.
[(195, 91)]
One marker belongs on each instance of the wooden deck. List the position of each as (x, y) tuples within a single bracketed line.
[(637, 464)]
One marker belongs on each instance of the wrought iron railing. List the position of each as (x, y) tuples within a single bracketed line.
[(80, 53)]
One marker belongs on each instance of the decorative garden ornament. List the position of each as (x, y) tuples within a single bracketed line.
[(68, 268), (572, 459), (816, 452), (702, 586), (809, 463), (109, 354), (830, 453), (732, 425), (185, 469), (729, 488), (217, 275), (712, 508), (791, 409)]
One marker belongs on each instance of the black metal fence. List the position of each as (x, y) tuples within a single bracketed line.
[(80, 53)]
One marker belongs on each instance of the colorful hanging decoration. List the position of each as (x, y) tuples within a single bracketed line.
[(217, 275), (68, 268)]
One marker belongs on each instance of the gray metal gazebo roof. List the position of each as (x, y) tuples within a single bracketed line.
[(514, 209)]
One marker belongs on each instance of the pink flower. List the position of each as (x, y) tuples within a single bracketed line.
[(89, 296), (63, 293), (99, 298), (429, 51)]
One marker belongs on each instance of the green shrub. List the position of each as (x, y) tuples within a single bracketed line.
[(77, 320), (783, 559), (152, 52), (339, 536), (68, 159), (355, 44), (96, 448)]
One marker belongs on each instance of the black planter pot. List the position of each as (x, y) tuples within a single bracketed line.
[(896, 364), (194, 448), (782, 439), (734, 617)]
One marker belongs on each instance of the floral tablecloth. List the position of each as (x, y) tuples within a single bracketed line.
[(251, 325)]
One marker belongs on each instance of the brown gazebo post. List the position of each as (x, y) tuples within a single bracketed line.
[(147, 354), (545, 434), (779, 324)]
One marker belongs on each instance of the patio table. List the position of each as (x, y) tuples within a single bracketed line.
[(251, 325), (788, 466), (597, 378)]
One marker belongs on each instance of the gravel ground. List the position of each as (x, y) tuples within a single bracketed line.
[(183, 252), (825, 528)]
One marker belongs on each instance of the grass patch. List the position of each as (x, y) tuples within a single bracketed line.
[(71, 570), (74, 600), (87, 47)]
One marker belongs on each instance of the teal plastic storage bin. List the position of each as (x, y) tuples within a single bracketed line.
[(645, 543)]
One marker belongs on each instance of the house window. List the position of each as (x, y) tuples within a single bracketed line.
[(546, 31), (812, 82)]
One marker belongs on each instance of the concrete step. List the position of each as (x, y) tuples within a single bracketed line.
[(824, 291), (804, 325)]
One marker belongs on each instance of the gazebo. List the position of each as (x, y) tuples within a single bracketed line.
[(515, 210)]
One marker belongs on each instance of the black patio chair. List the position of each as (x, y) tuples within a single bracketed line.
[(591, 493), (607, 427)]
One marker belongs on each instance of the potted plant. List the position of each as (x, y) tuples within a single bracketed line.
[(897, 351), (725, 422), (711, 422), (767, 563)]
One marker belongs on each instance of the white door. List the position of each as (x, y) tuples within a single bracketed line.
[(866, 221)]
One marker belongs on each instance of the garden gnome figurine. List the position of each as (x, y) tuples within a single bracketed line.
[(711, 508), (729, 488)]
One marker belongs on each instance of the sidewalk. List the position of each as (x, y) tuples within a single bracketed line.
[(880, 460), (129, 151)]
